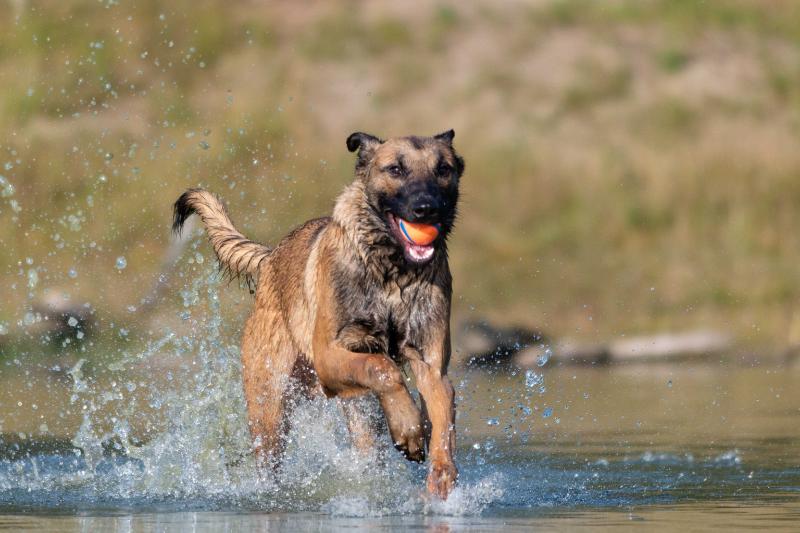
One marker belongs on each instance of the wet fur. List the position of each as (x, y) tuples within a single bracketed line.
[(339, 309)]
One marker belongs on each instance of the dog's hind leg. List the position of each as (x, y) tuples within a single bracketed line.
[(268, 362), (362, 422)]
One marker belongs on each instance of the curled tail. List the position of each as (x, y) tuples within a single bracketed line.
[(238, 255)]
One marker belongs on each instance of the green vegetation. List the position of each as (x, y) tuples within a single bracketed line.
[(632, 165)]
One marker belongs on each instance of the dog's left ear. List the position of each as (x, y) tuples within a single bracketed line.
[(362, 141), (446, 136)]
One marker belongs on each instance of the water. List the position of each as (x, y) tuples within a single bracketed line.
[(156, 439)]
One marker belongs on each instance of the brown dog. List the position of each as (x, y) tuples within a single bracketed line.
[(343, 302)]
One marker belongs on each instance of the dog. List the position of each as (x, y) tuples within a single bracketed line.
[(344, 302)]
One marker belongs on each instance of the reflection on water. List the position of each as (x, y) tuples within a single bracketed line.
[(684, 517), (158, 440)]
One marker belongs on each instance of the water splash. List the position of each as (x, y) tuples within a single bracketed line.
[(163, 426), (198, 450)]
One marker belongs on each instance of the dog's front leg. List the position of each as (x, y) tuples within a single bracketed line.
[(438, 396), (345, 374)]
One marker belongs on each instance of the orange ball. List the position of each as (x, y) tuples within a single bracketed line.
[(421, 234)]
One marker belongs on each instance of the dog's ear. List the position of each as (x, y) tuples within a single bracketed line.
[(362, 141), (446, 136)]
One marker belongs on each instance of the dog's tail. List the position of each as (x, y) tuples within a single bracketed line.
[(238, 255)]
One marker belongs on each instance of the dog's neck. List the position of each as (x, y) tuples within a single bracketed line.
[(369, 238)]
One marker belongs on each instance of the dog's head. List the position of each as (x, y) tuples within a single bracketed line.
[(411, 182)]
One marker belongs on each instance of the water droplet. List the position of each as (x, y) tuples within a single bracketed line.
[(72, 321), (544, 357), (533, 379), (6, 188), (121, 263), (72, 273), (492, 422), (548, 412), (33, 278), (669, 384), (204, 145)]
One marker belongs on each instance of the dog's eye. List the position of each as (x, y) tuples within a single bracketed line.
[(395, 170), (443, 169)]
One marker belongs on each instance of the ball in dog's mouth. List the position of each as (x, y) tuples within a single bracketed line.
[(417, 240)]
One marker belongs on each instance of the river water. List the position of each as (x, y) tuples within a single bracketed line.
[(156, 440)]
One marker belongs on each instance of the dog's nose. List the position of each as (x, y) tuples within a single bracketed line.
[(424, 209)]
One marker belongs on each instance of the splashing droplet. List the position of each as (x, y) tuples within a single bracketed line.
[(533, 379), (6, 188), (544, 357)]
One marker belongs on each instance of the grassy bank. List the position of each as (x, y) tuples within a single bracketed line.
[(631, 165)]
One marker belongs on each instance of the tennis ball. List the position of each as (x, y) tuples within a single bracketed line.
[(421, 234)]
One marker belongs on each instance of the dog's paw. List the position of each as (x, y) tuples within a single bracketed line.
[(411, 442), (442, 478)]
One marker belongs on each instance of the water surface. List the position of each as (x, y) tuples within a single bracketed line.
[(157, 440)]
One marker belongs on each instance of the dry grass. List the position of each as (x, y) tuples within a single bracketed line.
[(632, 165)]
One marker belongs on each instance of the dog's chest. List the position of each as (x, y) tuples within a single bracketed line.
[(383, 319)]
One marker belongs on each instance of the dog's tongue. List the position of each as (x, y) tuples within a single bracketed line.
[(419, 234)]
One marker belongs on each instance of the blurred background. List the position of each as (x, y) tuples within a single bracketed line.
[(632, 165)]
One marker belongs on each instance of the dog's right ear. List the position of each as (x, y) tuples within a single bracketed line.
[(362, 141)]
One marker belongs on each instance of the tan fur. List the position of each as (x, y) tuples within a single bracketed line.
[(238, 254), (326, 298)]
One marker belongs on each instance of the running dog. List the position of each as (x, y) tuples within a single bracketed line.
[(342, 303)]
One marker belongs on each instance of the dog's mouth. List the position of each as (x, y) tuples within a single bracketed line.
[(414, 252)]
